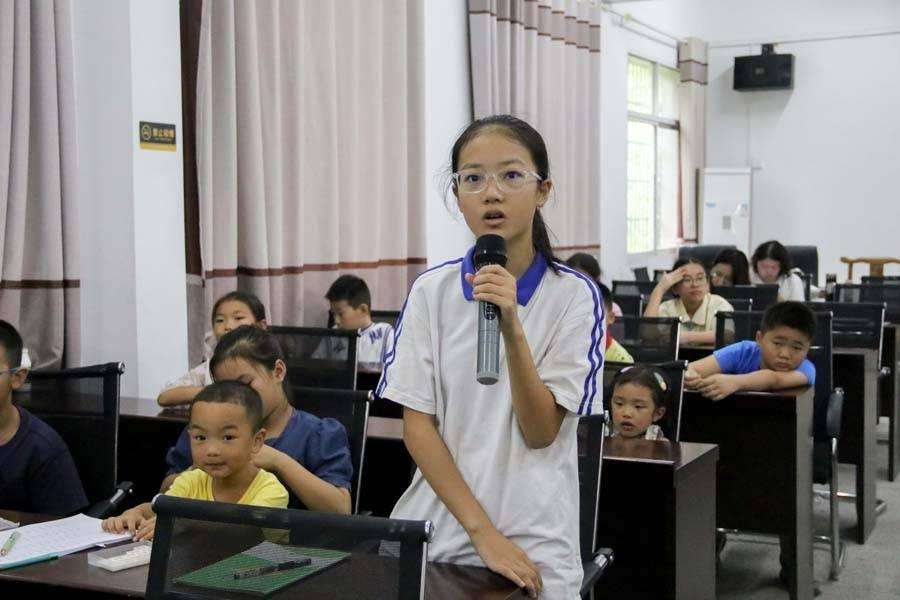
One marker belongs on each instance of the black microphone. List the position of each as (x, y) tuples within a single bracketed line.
[(490, 249)]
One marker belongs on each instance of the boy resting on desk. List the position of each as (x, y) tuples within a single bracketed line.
[(37, 473), (226, 432), (775, 361)]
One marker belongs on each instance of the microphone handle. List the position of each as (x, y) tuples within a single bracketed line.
[(488, 368)]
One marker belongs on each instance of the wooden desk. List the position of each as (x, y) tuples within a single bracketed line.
[(856, 370), (890, 394), (695, 352), (764, 474), (80, 580), (658, 514)]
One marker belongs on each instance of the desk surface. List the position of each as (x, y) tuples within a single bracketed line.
[(679, 455), (442, 581)]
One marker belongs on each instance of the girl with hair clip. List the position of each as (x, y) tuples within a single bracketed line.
[(772, 264), (229, 312), (497, 465), (309, 455), (639, 400)]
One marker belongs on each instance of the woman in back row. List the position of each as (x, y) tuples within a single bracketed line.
[(772, 264)]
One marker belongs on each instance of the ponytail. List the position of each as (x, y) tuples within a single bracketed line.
[(540, 238)]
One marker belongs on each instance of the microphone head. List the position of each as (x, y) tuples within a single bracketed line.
[(490, 249)]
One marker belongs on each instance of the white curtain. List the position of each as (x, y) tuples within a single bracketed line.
[(692, 62), (540, 61), (38, 228), (310, 130)]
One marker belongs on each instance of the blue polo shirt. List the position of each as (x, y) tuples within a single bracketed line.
[(320, 445), (37, 473), (746, 357)]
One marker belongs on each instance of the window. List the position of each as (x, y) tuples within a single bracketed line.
[(653, 177)]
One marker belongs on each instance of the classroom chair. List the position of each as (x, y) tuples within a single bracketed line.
[(882, 280), (386, 316), (636, 288), (705, 253), (886, 293), (641, 274), (741, 303), (82, 405), (318, 357), (594, 561), (763, 295), (349, 407), (632, 306), (827, 412), (375, 558), (648, 339), (876, 264), (805, 258), (674, 371)]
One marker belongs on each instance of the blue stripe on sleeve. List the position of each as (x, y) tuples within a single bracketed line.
[(398, 330), (590, 382)]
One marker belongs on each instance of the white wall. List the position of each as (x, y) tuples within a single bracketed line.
[(829, 172), (133, 307), (448, 109)]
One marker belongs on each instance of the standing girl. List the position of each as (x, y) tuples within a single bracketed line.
[(309, 455), (497, 465), (229, 312)]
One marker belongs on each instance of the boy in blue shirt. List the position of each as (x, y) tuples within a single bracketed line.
[(37, 473), (775, 361)]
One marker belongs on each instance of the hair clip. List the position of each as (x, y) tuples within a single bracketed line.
[(662, 382)]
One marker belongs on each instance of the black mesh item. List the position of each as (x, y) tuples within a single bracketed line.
[(648, 339), (375, 558), (887, 293), (674, 372), (636, 288), (763, 296), (351, 409), (641, 274), (706, 253), (741, 303), (318, 357), (881, 280), (591, 434), (82, 406), (855, 325)]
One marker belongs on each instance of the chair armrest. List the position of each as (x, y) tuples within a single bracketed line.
[(594, 567), (833, 415), (885, 372)]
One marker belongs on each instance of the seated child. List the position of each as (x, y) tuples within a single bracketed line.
[(693, 305), (614, 351), (309, 455), (776, 360), (226, 435), (351, 305), (230, 312), (639, 400), (586, 264), (37, 473)]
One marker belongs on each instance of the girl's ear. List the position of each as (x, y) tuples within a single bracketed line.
[(280, 371), (262, 324), (544, 192), (659, 413)]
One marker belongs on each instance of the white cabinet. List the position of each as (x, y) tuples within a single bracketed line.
[(725, 207)]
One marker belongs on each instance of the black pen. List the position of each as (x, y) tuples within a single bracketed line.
[(257, 571)]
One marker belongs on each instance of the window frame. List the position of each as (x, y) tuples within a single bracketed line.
[(658, 122)]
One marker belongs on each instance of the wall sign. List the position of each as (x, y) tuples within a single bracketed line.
[(156, 136)]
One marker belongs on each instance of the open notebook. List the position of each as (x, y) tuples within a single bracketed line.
[(46, 541)]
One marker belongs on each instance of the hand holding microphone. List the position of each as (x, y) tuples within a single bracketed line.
[(490, 249)]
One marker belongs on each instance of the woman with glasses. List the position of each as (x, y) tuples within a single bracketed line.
[(693, 305), (730, 268)]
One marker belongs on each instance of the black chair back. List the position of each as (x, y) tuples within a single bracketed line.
[(763, 296), (635, 288), (351, 409), (385, 316), (881, 280), (82, 406), (805, 258), (648, 339), (855, 325), (888, 294), (318, 357), (386, 556), (741, 304), (632, 306), (641, 274), (674, 372), (705, 253), (591, 435)]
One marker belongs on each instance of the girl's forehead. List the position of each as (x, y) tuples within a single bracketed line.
[(491, 148), (233, 368), (693, 268), (632, 390), (232, 306)]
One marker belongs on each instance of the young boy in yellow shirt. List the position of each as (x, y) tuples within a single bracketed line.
[(226, 433)]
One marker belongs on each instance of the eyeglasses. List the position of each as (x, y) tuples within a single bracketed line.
[(698, 280), (721, 277), (475, 181)]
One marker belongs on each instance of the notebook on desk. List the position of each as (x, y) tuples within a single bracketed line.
[(46, 541)]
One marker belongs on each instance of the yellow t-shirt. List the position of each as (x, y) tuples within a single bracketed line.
[(617, 353), (264, 490)]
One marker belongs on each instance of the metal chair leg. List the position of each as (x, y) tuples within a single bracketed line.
[(837, 545)]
